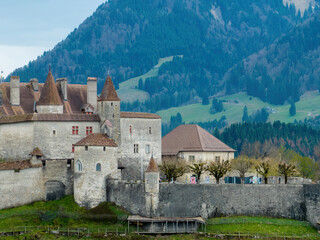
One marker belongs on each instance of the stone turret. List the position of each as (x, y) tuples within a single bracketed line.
[(49, 101), (109, 108), (152, 177)]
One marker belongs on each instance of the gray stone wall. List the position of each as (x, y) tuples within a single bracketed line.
[(136, 163), (55, 139), (89, 184), (185, 200), (312, 202), (16, 140), (19, 188)]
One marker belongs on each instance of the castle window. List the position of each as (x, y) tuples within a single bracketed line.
[(104, 148), (217, 158), (54, 132), (75, 130), (182, 155), (43, 163), (73, 148), (150, 130), (79, 166), (86, 148), (147, 149), (88, 130), (112, 104), (136, 148), (98, 167), (68, 163), (130, 129), (191, 158)]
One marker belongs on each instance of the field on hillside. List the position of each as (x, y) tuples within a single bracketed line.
[(234, 104), (128, 91)]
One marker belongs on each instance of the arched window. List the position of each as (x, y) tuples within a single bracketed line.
[(130, 130), (79, 166), (98, 167)]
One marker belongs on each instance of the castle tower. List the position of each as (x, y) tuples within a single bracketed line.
[(49, 101), (109, 108), (152, 177)]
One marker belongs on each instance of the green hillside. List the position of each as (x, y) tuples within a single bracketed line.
[(234, 104), (128, 91)]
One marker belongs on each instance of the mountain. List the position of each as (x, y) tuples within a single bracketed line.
[(283, 70), (127, 37)]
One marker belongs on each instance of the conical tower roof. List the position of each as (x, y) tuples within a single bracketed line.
[(109, 92), (153, 166), (49, 93)]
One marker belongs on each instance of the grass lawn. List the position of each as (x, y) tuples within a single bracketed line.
[(234, 104), (128, 91), (64, 212), (262, 226)]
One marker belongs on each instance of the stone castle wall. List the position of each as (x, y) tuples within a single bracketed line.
[(133, 162), (210, 200)]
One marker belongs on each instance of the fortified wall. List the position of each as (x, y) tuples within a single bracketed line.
[(300, 202)]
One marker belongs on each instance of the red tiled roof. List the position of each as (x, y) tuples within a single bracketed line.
[(153, 166), (97, 139), (191, 138), (37, 117), (49, 94), (139, 115), (18, 165), (108, 92)]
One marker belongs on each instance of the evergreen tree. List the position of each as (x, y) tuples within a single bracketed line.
[(140, 85), (245, 116), (292, 109)]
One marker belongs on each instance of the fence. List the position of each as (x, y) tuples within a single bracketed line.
[(105, 232)]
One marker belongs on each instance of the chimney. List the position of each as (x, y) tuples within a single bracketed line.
[(64, 88), (15, 90), (35, 84), (92, 92)]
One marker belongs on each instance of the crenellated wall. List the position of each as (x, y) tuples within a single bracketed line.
[(299, 202)]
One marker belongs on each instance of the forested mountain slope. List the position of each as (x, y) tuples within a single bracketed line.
[(283, 70), (127, 37)]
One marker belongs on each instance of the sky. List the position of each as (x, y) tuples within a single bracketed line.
[(30, 27)]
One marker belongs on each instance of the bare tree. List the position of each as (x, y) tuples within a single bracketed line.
[(242, 164), (218, 169), (173, 167), (263, 168), (287, 169), (198, 169)]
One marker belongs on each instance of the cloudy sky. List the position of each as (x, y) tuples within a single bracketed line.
[(29, 27)]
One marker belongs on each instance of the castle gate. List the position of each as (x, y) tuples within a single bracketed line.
[(55, 190)]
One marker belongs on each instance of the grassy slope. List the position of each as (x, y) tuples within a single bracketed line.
[(307, 106), (64, 212), (128, 91)]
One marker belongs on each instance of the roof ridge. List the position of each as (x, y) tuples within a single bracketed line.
[(199, 136)]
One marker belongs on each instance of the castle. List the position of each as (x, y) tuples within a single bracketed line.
[(59, 139)]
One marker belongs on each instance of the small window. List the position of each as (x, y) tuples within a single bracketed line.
[(54, 132), (73, 148), (112, 104), (191, 158), (147, 149), (182, 155), (68, 163), (75, 130), (150, 130), (113, 115), (130, 129), (17, 170), (79, 166), (88, 130), (217, 158), (98, 167), (43, 163), (86, 148), (136, 148), (104, 148)]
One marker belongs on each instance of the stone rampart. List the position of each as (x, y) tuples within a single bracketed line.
[(299, 202)]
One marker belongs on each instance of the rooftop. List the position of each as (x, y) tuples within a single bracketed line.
[(108, 92), (97, 139), (191, 138), (18, 165), (139, 115), (49, 94), (153, 166)]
